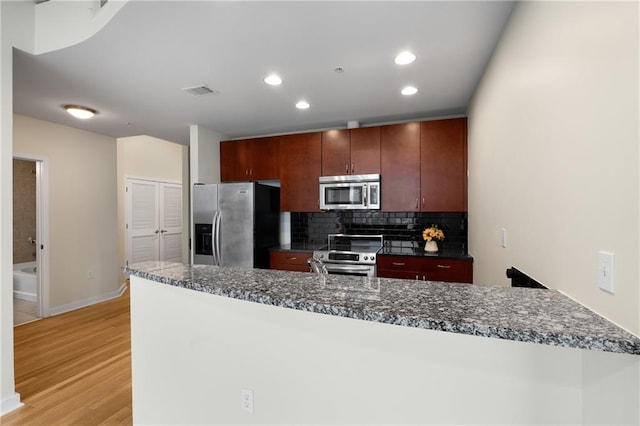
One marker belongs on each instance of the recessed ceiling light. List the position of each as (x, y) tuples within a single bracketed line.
[(409, 90), (302, 105), (80, 112), (405, 58), (273, 80)]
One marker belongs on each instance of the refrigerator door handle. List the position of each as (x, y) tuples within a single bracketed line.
[(214, 236), (217, 259)]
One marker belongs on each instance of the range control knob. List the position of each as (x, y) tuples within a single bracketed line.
[(366, 258), (373, 258)]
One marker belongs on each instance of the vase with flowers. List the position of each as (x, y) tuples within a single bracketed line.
[(432, 235)]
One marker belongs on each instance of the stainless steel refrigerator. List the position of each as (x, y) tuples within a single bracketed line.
[(235, 224)]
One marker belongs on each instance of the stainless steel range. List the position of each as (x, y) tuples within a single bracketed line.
[(351, 254)]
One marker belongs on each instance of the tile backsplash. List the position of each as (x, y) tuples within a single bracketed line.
[(408, 226)]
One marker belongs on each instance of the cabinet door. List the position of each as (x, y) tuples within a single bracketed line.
[(400, 167), (263, 155), (289, 261), (336, 153), (365, 150), (230, 167), (443, 165), (300, 157)]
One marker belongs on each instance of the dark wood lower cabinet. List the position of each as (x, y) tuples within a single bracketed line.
[(289, 261), (425, 268)]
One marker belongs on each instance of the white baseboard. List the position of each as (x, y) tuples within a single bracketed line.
[(9, 404), (88, 302)]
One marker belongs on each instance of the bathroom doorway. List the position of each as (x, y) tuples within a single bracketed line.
[(30, 245)]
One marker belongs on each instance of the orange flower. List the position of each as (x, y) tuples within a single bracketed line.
[(433, 233)]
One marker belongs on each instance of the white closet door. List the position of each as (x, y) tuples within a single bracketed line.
[(142, 226), (171, 222)]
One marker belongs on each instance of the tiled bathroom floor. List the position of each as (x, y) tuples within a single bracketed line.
[(24, 311)]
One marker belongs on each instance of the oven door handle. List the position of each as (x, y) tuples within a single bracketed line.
[(347, 268)]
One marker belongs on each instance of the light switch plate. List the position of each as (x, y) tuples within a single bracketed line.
[(606, 271)]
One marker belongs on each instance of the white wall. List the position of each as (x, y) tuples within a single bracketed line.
[(554, 153), (16, 29), (193, 352), (204, 155), (146, 157), (82, 209)]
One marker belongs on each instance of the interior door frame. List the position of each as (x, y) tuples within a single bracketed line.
[(127, 208), (42, 229)]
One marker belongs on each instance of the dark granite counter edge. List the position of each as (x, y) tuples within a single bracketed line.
[(385, 251), (552, 339), (439, 255)]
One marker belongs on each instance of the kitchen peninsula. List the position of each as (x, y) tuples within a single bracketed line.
[(368, 350)]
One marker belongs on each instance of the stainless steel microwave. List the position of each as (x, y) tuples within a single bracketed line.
[(350, 192)]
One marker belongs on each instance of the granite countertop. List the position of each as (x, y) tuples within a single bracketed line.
[(520, 314)]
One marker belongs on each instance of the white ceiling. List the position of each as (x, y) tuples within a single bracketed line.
[(133, 70)]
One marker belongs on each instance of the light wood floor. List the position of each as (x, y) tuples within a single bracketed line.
[(75, 368)]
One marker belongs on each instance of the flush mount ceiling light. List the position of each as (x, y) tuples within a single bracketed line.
[(80, 112), (302, 105), (405, 58), (409, 90), (273, 80)]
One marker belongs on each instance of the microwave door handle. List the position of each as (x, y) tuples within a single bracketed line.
[(366, 194)]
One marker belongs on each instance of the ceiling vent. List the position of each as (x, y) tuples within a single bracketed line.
[(200, 90)]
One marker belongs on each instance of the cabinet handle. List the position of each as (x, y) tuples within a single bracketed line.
[(250, 171), (417, 203), (292, 258), (444, 266), (416, 278), (422, 201), (398, 263), (346, 168), (424, 278), (352, 168)]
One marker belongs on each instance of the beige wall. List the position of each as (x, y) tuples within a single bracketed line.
[(24, 210), (146, 157), (82, 209), (553, 153)]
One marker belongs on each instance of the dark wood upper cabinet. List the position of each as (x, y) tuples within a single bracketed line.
[(336, 152), (250, 159), (443, 162), (365, 150), (300, 159), (348, 152), (400, 167)]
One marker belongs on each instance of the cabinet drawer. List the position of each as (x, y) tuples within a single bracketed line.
[(289, 261), (431, 269), (449, 270), (399, 263)]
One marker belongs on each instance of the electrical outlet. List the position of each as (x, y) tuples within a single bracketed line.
[(606, 271), (246, 395)]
